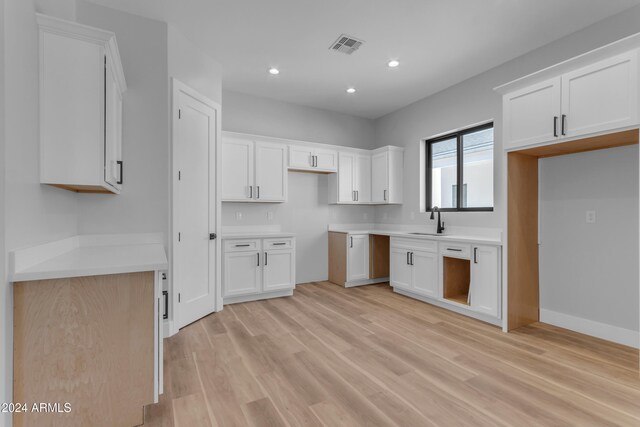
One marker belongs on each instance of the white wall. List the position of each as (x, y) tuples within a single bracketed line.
[(5, 294), (142, 205), (307, 213), (590, 271), (193, 67), (474, 101), (33, 213)]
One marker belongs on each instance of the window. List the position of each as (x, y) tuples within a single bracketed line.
[(460, 170)]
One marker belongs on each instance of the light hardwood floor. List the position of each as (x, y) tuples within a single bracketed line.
[(330, 356)]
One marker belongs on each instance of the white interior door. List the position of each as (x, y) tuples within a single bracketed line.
[(271, 172), (194, 199)]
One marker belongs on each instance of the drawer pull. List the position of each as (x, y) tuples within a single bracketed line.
[(243, 246), (279, 244), (454, 250)]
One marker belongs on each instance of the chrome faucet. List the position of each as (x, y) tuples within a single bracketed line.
[(440, 224)]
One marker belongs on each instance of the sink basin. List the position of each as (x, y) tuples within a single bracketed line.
[(426, 234)]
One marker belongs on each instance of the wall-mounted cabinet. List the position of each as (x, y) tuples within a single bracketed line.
[(352, 183), (312, 159), (387, 170), (599, 97), (253, 171), (81, 87)]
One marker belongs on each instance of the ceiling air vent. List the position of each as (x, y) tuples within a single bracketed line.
[(346, 44)]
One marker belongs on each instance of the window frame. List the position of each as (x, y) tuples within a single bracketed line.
[(458, 135)]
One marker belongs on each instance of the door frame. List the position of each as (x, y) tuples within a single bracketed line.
[(215, 205)]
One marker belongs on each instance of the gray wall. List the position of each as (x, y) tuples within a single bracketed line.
[(307, 212), (474, 101), (32, 213), (142, 205), (590, 270)]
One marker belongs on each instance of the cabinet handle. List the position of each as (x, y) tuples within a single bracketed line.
[(258, 192), (353, 196), (121, 164), (411, 258), (408, 263), (165, 296), (357, 195), (475, 255), (454, 250), (351, 241), (243, 246), (251, 191), (258, 256), (266, 259), (279, 244), (315, 164), (564, 123), (384, 195), (555, 126)]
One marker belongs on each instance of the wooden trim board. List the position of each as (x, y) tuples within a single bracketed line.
[(337, 258)]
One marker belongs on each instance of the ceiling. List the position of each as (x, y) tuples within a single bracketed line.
[(438, 43)]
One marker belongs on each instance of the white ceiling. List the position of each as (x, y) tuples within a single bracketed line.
[(438, 42)]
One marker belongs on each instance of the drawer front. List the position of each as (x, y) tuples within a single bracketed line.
[(455, 250), (416, 244), (242, 245), (284, 243)]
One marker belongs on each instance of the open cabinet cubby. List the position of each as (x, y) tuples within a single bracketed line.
[(456, 279)]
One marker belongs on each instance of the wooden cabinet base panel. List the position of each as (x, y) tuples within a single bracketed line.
[(338, 258), (83, 188), (88, 341)]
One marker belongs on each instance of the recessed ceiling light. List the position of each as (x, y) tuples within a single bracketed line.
[(393, 63), (274, 71), (351, 90)]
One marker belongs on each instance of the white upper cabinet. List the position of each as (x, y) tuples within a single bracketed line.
[(532, 115), (387, 170), (253, 171), (352, 183), (363, 178), (271, 172), (596, 98), (81, 86), (346, 178), (311, 158), (601, 96)]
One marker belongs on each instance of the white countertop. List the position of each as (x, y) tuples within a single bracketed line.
[(485, 240), (255, 235), (89, 255)]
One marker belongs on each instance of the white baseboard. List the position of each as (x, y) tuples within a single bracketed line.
[(615, 334)]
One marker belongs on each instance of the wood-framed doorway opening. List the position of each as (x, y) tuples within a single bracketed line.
[(523, 290)]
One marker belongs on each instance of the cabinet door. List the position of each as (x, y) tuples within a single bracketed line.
[(363, 179), (237, 170), (346, 178), (242, 273), (532, 115), (271, 172), (485, 280), (602, 96), (326, 160), (278, 270), (425, 273), (400, 270), (380, 178), (113, 166), (300, 157), (357, 257)]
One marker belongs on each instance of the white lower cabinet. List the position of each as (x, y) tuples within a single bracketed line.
[(414, 267), (357, 257), (258, 268), (485, 280)]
